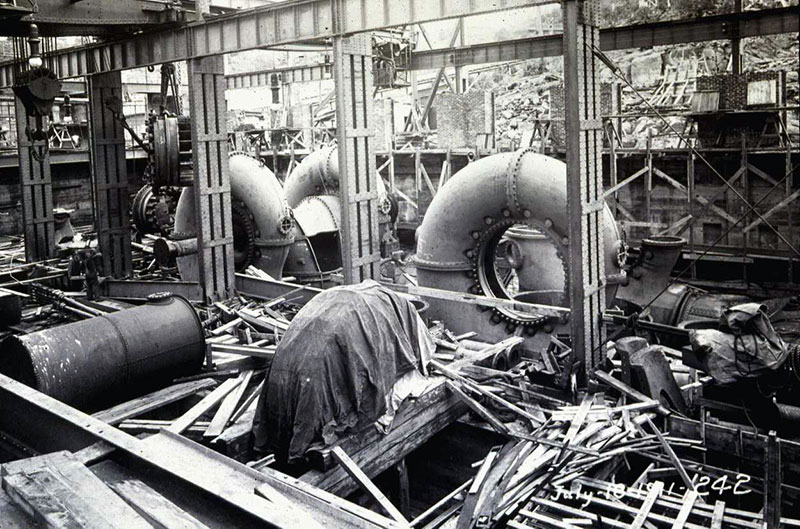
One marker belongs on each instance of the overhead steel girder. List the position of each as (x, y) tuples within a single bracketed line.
[(719, 27), (750, 24), (288, 22), (290, 74)]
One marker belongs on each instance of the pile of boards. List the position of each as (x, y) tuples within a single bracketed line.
[(606, 462)]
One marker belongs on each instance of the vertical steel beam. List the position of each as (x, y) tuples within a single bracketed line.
[(37, 190), (358, 182), (585, 203), (736, 42), (110, 176), (690, 187), (212, 186)]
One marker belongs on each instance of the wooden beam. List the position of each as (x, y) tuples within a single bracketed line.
[(772, 482), (208, 402), (228, 406), (158, 510), (415, 423), (647, 505), (686, 509), (60, 492), (365, 483), (152, 401)]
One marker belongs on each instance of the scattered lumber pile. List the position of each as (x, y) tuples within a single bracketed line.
[(607, 462)]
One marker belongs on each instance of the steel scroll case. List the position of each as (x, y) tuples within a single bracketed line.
[(262, 221), (471, 228), (112, 356), (312, 191)]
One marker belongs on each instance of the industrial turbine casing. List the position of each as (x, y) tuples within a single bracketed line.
[(312, 191), (470, 214), (262, 219), (112, 356)]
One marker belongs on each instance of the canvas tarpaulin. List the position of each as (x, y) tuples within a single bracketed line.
[(336, 366), (745, 346)]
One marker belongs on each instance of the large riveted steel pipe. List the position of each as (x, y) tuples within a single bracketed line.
[(262, 222), (318, 174), (460, 238), (312, 191), (108, 357)]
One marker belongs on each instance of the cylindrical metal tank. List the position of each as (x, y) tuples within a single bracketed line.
[(111, 356)]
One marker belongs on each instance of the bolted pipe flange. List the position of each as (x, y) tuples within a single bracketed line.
[(285, 224), (486, 242)]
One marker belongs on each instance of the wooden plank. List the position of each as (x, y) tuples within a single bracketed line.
[(208, 402), (719, 514), (782, 204), (157, 399), (41, 483), (647, 505), (266, 352), (471, 499), (475, 406), (13, 517), (673, 457), (576, 424), (701, 199), (772, 482), (39, 504), (686, 509), (158, 510), (625, 182), (491, 396), (415, 423), (365, 483), (228, 406), (629, 391)]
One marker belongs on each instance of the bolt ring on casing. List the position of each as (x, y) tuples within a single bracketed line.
[(456, 240)]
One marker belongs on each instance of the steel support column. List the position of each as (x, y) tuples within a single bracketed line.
[(358, 183), (212, 186), (585, 201), (37, 190), (110, 176)]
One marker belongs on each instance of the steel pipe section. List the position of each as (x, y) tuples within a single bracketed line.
[(318, 174), (463, 245), (108, 357), (316, 253), (262, 220), (312, 191)]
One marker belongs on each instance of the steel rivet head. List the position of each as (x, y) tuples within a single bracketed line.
[(526, 213), (488, 220), (548, 223), (476, 235), (565, 241), (506, 213)]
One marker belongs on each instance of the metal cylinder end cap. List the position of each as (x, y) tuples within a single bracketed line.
[(157, 297)]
